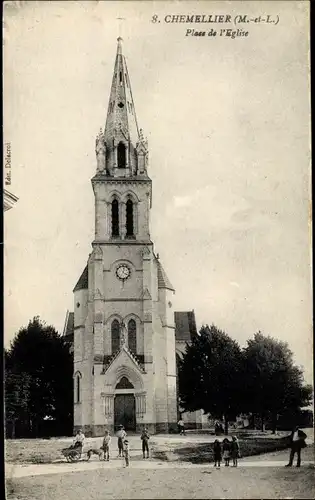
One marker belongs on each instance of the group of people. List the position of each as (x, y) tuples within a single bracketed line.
[(227, 450), (122, 443)]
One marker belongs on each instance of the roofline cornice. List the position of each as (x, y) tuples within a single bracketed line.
[(120, 180)]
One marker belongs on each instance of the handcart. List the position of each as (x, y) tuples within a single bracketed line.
[(73, 453)]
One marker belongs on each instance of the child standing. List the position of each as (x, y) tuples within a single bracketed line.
[(126, 452), (106, 445), (181, 427), (226, 446), (235, 450), (217, 452), (145, 442), (121, 435)]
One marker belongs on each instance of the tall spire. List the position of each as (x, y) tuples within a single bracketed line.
[(121, 150), (121, 114)]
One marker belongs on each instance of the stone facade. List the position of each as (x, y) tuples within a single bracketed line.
[(124, 331)]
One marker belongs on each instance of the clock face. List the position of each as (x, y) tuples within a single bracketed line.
[(123, 272)]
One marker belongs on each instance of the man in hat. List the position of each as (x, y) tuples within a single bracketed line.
[(297, 442)]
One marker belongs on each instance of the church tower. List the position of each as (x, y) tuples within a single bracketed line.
[(124, 334)]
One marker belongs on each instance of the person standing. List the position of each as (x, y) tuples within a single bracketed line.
[(297, 442), (217, 453), (121, 435), (145, 442), (226, 447), (106, 444), (126, 452), (235, 450), (181, 427), (218, 428)]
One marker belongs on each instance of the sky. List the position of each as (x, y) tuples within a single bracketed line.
[(228, 125)]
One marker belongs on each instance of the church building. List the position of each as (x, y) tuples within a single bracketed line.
[(123, 327)]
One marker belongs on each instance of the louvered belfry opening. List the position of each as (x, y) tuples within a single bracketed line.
[(129, 219), (121, 155), (115, 218)]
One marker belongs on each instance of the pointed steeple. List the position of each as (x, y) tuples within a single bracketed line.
[(122, 150), (121, 114)]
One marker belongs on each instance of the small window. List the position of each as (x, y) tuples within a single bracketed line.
[(126, 80), (78, 388), (115, 218), (120, 77)]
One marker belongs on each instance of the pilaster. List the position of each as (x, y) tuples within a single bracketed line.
[(98, 301), (147, 304)]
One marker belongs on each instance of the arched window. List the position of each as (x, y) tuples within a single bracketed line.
[(115, 336), (115, 218), (78, 388), (132, 336), (129, 218), (121, 155)]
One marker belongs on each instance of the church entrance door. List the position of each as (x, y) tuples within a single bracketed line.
[(125, 411)]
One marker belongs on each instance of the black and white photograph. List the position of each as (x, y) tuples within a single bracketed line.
[(158, 333)]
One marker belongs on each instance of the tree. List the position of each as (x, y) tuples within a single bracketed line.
[(39, 356), (17, 395), (273, 383), (210, 375)]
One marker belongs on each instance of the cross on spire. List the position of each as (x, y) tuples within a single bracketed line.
[(120, 19)]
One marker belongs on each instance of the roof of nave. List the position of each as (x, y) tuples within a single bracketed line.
[(163, 281), (83, 281), (185, 325), (68, 330)]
